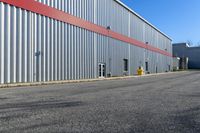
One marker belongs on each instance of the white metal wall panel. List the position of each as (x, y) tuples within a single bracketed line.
[(2, 42)]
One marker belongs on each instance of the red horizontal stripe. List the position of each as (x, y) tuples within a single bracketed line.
[(36, 7)]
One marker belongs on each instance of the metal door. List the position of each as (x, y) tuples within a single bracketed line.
[(102, 70)]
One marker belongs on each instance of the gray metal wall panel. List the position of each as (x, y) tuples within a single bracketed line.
[(68, 52), (111, 13)]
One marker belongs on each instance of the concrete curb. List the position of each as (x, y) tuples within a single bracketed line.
[(78, 81)]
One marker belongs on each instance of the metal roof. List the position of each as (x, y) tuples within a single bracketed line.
[(125, 6), (183, 44)]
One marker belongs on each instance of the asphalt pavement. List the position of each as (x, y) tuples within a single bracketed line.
[(168, 103)]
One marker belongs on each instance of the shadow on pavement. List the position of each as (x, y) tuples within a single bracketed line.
[(40, 105)]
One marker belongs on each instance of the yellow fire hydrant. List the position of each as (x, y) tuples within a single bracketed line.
[(140, 71)]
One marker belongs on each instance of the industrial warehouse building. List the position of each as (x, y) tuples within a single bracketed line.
[(183, 50), (50, 40)]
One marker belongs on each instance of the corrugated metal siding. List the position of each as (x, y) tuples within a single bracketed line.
[(110, 13), (67, 52)]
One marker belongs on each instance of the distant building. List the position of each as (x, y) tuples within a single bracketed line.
[(183, 50)]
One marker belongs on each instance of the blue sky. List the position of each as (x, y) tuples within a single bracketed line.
[(179, 19)]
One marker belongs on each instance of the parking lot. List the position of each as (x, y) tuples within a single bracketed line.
[(168, 103)]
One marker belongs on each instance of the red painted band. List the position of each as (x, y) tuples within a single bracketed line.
[(36, 7)]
